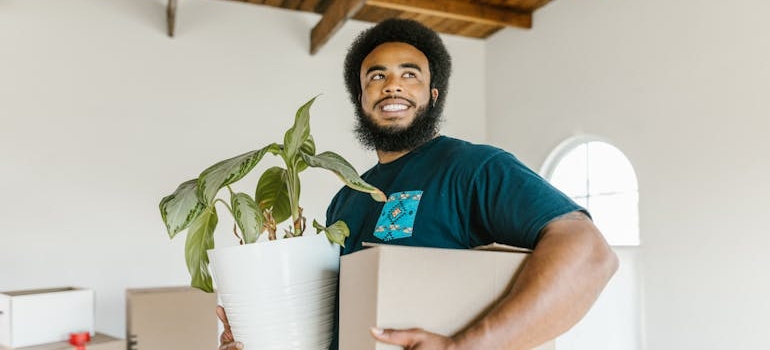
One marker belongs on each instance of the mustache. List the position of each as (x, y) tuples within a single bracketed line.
[(395, 97)]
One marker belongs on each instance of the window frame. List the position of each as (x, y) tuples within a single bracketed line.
[(570, 144)]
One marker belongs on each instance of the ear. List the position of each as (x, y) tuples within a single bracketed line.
[(434, 95)]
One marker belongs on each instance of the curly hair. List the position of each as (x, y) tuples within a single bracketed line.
[(403, 31)]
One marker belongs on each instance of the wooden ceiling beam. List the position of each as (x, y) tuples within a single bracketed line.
[(333, 19), (170, 17), (460, 10)]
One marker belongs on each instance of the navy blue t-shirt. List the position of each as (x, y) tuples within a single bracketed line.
[(450, 193)]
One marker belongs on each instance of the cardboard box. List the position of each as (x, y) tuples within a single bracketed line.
[(171, 318), (440, 290), (98, 342), (32, 317)]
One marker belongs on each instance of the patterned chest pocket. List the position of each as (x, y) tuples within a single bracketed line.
[(397, 217)]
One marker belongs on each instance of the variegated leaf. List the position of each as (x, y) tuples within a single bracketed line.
[(226, 172), (345, 171), (336, 232), (309, 148), (180, 208), (272, 193), (247, 216), (200, 238), (309, 145), (274, 149), (295, 137)]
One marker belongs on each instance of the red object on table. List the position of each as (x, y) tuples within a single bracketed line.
[(79, 340)]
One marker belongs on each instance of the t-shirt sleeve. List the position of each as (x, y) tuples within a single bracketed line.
[(514, 202)]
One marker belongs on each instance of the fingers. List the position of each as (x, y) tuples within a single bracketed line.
[(232, 346), (413, 339), (226, 338), (222, 315), (405, 338)]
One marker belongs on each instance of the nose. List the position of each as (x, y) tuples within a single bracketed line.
[(392, 85)]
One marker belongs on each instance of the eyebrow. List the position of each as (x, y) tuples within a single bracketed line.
[(411, 65), (403, 65)]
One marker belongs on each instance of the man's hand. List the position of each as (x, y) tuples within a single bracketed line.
[(226, 341), (413, 339)]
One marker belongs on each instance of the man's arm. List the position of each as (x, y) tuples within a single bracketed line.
[(566, 272)]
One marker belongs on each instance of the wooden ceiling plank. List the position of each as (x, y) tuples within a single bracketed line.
[(460, 10), (375, 14), (534, 4), (274, 3), (333, 19), (476, 30), (291, 4), (308, 5)]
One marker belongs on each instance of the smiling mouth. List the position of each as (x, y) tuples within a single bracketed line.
[(394, 107), (394, 104)]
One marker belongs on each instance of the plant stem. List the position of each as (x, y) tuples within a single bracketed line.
[(293, 188), (235, 232), (226, 205)]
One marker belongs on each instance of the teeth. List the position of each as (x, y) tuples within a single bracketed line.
[(394, 107)]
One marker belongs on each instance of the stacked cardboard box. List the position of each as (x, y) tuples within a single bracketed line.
[(33, 317), (171, 318)]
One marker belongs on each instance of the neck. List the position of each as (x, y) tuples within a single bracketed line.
[(385, 157)]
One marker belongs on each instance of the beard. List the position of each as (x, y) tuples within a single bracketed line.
[(423, 128)]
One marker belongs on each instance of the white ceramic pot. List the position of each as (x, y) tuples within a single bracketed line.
[(279, 294)]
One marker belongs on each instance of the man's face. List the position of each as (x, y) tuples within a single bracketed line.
[(395, 98)]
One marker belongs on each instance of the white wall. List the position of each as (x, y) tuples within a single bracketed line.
[(680, 87), (101, 115)]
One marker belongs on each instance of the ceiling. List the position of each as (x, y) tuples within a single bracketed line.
[(469, 18)]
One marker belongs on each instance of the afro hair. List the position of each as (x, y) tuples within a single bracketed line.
[(402, 31)]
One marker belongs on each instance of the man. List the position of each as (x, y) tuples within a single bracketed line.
[(449, 193)]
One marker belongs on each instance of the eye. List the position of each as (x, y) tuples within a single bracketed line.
[(377, 76), (409, 75)]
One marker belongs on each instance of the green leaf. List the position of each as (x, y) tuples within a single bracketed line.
[(226, 172), (248, 216), (299, 132), (274, 149), (309, 145), (180, 208), (308, 148), (200, 238), (338, 165), (336, 233), (273, 193)]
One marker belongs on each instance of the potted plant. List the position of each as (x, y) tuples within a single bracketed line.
[(276, 277)]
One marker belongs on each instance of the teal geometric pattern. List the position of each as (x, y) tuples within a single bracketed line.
[(397, 217)]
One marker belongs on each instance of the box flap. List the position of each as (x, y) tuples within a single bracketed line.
[(499, 247), (494, 247), (17, 293), (156, 290)]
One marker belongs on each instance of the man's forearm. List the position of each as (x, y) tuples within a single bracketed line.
[(565, 274)]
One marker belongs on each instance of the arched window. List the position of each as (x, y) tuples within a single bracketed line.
[(599, 177)]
